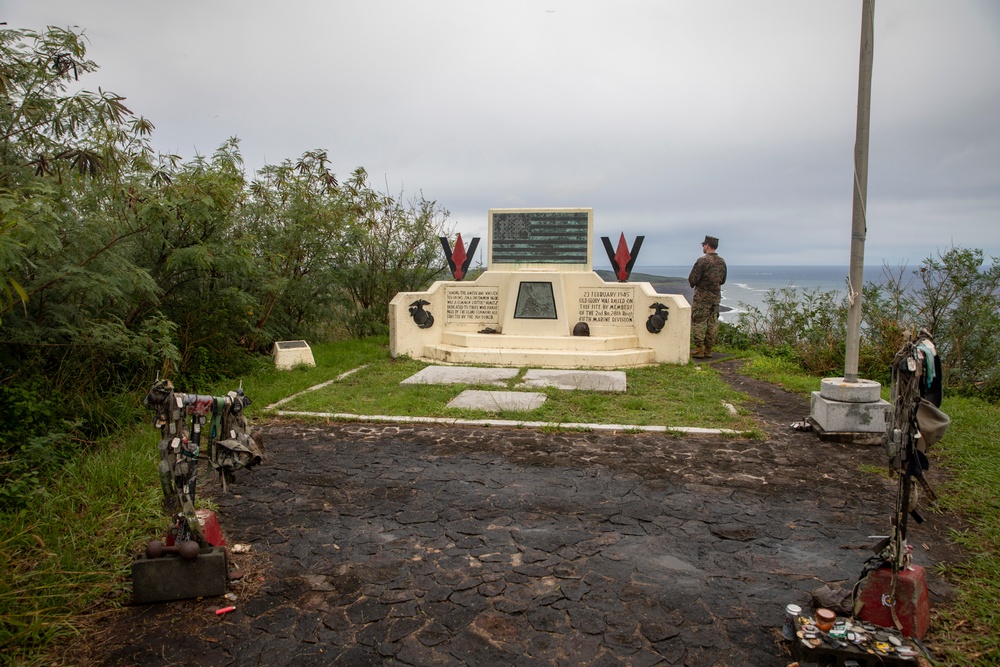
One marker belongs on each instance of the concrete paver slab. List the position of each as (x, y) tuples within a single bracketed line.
[(462, 375), (495, 401), (584, 380)]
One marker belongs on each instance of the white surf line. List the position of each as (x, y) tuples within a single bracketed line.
[(343, 416), (319, 386)]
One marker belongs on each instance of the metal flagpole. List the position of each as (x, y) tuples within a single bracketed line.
[(859, 225)]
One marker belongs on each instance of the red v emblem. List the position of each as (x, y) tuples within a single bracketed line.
[(459, 258), (622, 259)]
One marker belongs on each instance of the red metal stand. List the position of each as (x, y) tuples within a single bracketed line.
[(210, 529), (909, 600)]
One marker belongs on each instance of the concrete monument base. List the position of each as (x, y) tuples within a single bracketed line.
[(540, 304), (492, 322), (290, 353), (849, 411)]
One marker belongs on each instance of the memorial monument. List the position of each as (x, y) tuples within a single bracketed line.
[(537, 290)]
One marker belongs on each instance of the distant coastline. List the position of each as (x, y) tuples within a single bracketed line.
[(748, 286)]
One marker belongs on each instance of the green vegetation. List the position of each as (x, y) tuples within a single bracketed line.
[(782, 372), (971, 629), (118, 264), (265, 385), (65, 554), (954, 296)]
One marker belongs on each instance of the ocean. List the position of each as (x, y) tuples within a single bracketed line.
[(748, 285)]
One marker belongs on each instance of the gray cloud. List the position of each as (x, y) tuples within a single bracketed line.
[(670, 119)]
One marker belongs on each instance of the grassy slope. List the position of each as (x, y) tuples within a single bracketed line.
[(970, 451)]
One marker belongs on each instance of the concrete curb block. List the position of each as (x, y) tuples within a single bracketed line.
[(450, 421), (314, 387)]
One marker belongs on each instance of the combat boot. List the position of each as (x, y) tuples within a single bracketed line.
[(697, 353), (707, 353)]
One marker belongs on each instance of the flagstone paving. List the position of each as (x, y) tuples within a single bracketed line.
[(429, 545)]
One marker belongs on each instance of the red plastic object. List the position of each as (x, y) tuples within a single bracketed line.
[(210, 528), (910, 600)]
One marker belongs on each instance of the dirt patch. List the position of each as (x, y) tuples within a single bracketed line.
[(424, 545), (774, 407)]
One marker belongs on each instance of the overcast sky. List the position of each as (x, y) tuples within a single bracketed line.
[(670, 119)]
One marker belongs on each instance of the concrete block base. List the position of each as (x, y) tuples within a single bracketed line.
[(846, 437), (173, 578), (291, 353), (844, 417)]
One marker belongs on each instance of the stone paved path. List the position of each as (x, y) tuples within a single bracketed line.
[(426, 545)]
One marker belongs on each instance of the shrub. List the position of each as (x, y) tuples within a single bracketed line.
[(954, 296)]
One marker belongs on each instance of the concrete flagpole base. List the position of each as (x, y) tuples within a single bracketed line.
[(853, 412)]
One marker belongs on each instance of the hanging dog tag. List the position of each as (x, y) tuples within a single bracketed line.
[(196, 427), (175, 444), (179, 400)]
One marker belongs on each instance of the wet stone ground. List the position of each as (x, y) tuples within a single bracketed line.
[(424, 545)]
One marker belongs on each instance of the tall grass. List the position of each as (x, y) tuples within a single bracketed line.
[(969, 631), (68, 549)]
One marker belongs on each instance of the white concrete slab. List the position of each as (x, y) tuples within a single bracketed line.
[(584, 380), (495, 401), (462, 375)]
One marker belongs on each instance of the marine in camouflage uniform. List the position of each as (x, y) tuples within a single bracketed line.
[(707, 277)]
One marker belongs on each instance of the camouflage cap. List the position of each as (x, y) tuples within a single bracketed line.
[(712, 241)]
